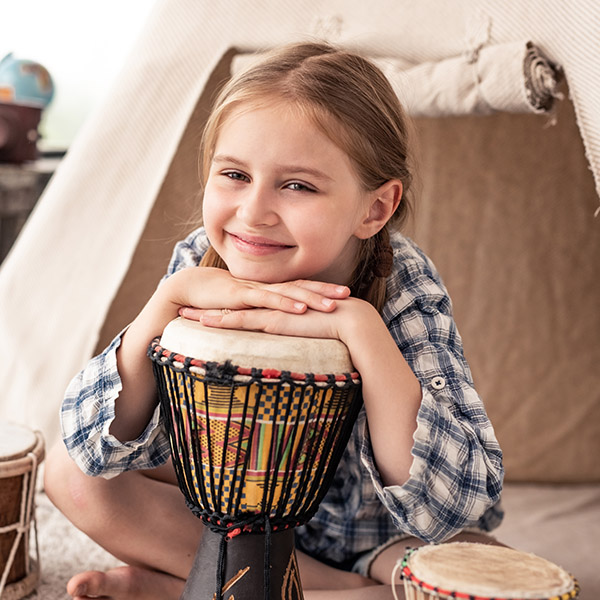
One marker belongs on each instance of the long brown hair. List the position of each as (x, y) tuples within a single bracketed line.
[(354, 105)]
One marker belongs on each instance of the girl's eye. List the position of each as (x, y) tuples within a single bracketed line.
[(296, 186), (236, 176)]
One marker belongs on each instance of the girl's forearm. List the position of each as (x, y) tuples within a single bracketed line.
[(392, 393), (137, 400)]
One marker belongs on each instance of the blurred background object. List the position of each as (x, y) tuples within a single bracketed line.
[(43, 106), (26, 89)]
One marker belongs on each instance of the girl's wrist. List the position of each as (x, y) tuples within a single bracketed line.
[(361, 318)]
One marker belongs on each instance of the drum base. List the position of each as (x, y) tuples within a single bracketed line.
[(23, 587), (244, 572)]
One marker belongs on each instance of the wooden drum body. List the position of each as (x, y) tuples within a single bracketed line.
[(257, 425), (21, 451), (483, 572)]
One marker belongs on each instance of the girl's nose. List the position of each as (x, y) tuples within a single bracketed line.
[(257, 207)]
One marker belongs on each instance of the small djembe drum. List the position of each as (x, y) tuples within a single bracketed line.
[(257, 425), (482, 572), (21, 452)]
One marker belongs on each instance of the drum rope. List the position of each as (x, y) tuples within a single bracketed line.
[(221, 567), (267, 565), (23, 525), (397, 566)]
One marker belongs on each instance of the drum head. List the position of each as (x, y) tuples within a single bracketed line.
[(486, 571), (15, 441), (256, 349)]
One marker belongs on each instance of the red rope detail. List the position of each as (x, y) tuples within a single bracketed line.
[(233, 533), (408, 574), (264, 373)]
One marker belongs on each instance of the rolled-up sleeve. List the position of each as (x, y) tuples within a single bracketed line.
[(88, 408), (87, 412), (456, 475)]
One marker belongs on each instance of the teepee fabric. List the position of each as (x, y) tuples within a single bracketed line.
[(58, 282)]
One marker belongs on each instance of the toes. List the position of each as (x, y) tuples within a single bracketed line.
[(92, 584), (125, 583)]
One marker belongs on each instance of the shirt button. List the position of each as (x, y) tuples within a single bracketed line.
[(438, 383)]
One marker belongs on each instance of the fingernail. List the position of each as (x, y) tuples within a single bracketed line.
[(327, 302), (299, 305), (340, 289), (81, 590)]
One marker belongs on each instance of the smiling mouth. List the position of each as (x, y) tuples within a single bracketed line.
[(257, 245)]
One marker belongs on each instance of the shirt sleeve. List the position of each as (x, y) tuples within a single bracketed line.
[(88, 408), (456, 474)]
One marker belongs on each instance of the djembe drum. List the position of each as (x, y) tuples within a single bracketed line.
[(21, 452), (474, 571), (257, 424)]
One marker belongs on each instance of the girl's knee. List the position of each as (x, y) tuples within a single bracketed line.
[(64, 482)]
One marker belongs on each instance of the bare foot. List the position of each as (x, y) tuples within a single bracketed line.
[(125, 583)]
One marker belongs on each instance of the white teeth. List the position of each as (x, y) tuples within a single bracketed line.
[(258, 243)]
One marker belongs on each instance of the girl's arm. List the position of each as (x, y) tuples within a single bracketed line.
[(391, 392)]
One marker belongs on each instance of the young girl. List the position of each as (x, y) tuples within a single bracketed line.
[(305, 176)]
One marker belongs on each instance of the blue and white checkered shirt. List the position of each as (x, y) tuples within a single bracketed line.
[(456, 475)]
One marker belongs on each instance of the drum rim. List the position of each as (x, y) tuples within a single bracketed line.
[(411, 579), (23, 464), (24, 586), (21, 430), (199, 368)]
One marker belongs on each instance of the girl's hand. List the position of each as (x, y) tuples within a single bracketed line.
[(310, 323), (206, 288), (336, 322)]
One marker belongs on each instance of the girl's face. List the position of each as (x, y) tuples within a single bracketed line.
[(281, 201)]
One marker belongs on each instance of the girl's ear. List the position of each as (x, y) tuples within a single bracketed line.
[(382, 203)]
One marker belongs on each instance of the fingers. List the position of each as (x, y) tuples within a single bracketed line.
[(297, 296), (257, 296), (309, 324), (331, 290), (206, 288)]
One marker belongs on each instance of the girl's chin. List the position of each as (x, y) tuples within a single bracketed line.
[(258, 274)]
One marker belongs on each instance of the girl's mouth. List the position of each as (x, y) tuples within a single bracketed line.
[(259, 246)]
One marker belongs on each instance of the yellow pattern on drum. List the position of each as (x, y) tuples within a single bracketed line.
[(254, 439)]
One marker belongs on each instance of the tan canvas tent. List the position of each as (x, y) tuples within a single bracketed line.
[(506, 203)]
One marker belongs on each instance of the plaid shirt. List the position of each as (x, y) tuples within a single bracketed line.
[(456, 475)]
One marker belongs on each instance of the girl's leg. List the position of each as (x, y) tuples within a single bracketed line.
[(316, 575), (134, 517)]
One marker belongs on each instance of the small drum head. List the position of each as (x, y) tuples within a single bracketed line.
[(467, 570), (15, 441)]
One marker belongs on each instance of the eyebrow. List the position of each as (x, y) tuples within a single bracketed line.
[(292, 169)]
